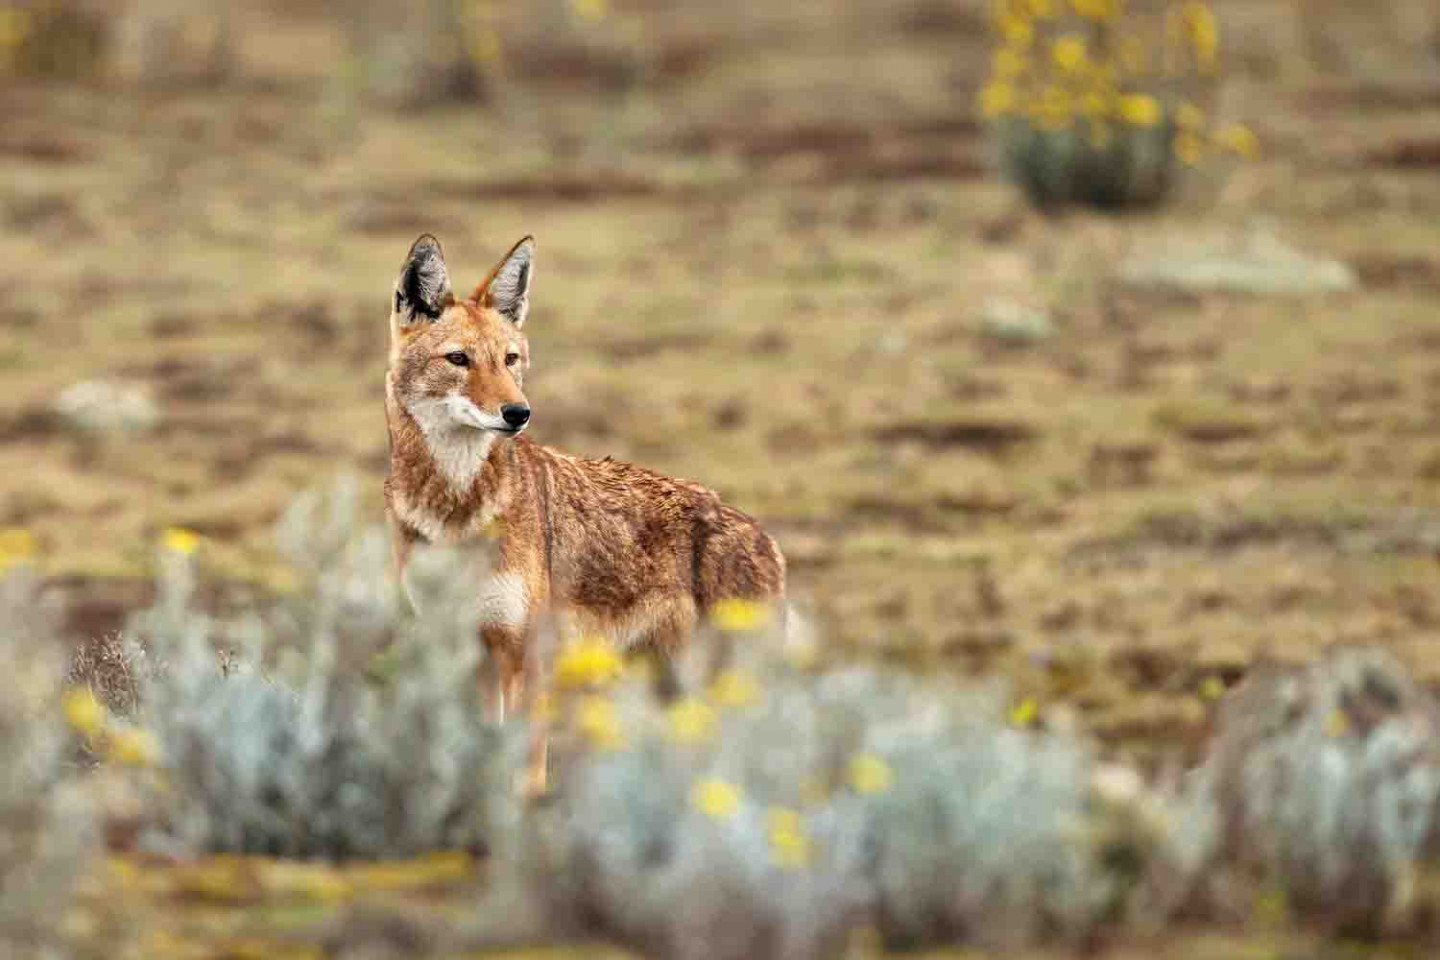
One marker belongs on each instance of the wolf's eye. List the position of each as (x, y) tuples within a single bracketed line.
[(458, 358), (511, 359)]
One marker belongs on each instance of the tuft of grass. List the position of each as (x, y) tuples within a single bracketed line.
[(1210, 420)]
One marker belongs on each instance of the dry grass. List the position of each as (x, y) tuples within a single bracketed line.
[(766, 271), (782, 301)]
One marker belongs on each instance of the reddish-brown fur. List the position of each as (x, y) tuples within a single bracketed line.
[(604, 546)]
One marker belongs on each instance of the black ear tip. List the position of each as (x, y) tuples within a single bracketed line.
[(425, 244)]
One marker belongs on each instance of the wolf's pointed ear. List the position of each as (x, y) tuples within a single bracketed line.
[(423, 290), (507, 289)]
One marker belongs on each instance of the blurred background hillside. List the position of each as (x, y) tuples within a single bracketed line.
[(1116, 456)]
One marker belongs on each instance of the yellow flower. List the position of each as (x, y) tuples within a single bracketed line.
[(1024, 713), (1240, 141), (134, 748), (870, 774), (740, 616), (715, 798), (83, 712), (690, 721), (1140, 109), (996, 100), (589, 663), (1336, 725), (789, 841), (590, 9), (180, 540), (1042, 8), (1017, 31), (1212, 688), (595, 718), (735, 688), (1007, 63), (1096, 9), (1189, 117), (16, 546), (1188, 148), (1068, 53)]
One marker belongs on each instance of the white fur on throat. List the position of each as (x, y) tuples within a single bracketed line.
[(459, 435)]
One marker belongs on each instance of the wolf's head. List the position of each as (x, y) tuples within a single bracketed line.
[(456, 365)]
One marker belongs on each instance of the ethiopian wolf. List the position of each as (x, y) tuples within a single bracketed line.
[(603, 547)]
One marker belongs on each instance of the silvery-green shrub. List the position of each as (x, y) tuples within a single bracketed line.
[(337, 723), (46, 825), (1327, 782)]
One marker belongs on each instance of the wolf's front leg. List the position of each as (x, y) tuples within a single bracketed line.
[(502, 677), (402, 543), (512, 690)]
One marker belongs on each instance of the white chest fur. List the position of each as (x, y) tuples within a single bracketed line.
[(437, 529)]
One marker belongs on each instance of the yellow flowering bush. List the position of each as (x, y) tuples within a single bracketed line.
[(1103, 102)]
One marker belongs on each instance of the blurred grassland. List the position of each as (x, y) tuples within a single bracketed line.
[(763, 265)]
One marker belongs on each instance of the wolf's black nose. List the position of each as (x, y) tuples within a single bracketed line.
[(515, 414)]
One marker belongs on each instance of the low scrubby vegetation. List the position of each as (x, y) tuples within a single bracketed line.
[(326, 722), (1106, 103), (46, 828), (777, 809), (775, 806), (1327, 782)]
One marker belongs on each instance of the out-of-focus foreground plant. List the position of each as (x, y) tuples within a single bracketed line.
[(1104, 102), (776, 807), (45, 824), (778, 811), (1327, 782), (335, 725)]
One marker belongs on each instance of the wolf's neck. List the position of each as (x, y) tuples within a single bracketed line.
[(430, 456), (458, 454)]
